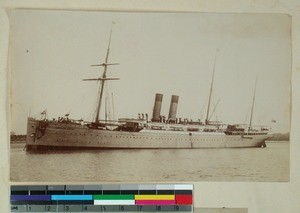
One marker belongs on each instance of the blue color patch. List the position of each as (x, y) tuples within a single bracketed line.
[(29, 197)]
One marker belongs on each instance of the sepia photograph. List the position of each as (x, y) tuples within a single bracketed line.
[(149, 97)]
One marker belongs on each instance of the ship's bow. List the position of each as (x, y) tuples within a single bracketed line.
[(32, 124)]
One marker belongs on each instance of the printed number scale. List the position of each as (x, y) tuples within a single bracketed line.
[(102, 198)]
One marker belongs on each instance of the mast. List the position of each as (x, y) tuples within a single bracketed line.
[(210, 92), (253, 100), (103, 78)]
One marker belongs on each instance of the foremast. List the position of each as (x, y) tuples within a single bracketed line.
[(102, 79), (210, 93)]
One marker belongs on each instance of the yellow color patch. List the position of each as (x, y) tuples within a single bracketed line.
[(154, 197)]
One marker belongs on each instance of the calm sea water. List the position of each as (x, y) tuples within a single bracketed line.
[(146, 165)]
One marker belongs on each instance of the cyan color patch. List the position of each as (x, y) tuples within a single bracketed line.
[(71, 197)]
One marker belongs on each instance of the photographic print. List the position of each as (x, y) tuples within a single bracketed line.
[(142, 97)]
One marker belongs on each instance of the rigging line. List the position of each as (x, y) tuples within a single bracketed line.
[(201, 112), (113, 106), (252, 108), (247, 113), (108, 88), (214, 109), (108, 104), (211, 89), (96, 102)]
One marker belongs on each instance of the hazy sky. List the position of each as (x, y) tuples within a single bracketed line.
[(168, 53)]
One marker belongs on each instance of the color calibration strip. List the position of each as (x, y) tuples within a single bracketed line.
[(102, 198)]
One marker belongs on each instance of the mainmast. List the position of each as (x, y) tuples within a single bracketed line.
[(103, 78), (210, 93), (253, 100)]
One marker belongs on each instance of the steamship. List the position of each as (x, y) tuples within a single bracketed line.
[(157, 132)]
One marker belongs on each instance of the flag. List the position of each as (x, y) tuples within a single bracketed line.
[(273, 121), (43, 113)]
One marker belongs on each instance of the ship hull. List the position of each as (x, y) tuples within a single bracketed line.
[(74, 136)]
